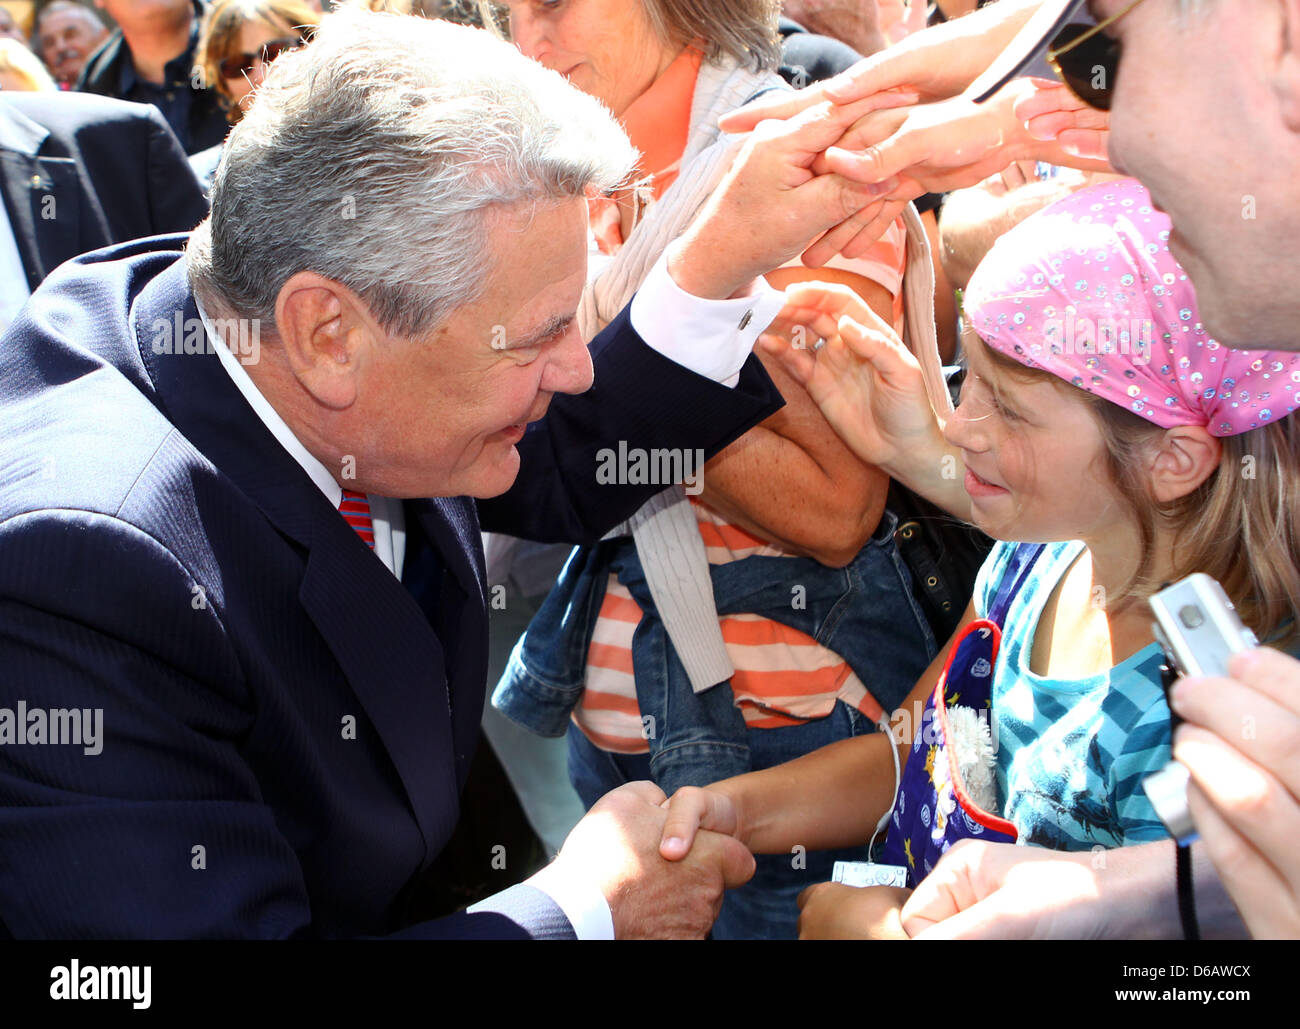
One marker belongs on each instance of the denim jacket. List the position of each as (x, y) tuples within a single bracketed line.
[(865, 612)]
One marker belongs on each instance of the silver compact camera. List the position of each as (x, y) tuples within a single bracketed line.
[(1199, 630)]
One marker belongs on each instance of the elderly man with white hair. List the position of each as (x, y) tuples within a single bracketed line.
[(242, 600), (66, 34)]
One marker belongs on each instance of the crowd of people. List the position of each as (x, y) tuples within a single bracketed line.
[(765, 423)]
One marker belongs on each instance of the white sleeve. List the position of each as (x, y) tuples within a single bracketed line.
[(710, 337), (583, 905)]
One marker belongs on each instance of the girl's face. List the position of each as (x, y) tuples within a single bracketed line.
[(1036, 466)]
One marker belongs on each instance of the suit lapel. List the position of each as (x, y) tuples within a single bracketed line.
[(456, 606), (383, 643), (393, 661), (452, 525), (41, 196)]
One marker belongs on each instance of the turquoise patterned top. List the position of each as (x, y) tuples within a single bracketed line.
[(1072, 754)]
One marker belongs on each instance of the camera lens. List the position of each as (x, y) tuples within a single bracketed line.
[(1191, 616)]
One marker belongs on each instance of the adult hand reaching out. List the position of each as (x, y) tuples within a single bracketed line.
[(1053, 114), (933, 64), (1003, 891), (1241, 743), (616, 846), (727, 246), (935, 148)]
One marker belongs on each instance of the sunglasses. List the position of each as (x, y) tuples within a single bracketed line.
[(1087, 60), (238, 65)]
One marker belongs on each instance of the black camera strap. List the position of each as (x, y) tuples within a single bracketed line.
[(1186, 891)]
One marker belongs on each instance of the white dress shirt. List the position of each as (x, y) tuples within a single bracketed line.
[(710, 337), (13, 276)]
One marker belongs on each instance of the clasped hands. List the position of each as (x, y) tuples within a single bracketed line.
[(827, 910), (893, 128)]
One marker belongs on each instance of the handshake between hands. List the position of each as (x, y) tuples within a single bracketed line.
[(828, 911), (663, 867), (617, 847)]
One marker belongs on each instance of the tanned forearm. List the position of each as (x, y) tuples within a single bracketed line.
[(835, 796)]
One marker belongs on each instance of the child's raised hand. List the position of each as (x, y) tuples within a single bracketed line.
[(691, 809), (866, 382)]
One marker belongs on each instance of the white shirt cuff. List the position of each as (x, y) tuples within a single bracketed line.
[(583, 905), (710, 337)]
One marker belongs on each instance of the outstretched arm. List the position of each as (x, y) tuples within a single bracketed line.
[(933, 64), (1003, 891), (832, 797), (871, 389)]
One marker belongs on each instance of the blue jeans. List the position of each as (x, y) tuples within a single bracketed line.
[(866, 613), (766, 907)]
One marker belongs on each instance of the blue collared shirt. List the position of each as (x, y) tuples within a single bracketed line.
[(174, 96)]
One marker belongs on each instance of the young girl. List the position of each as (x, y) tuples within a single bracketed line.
[(1096, 412)]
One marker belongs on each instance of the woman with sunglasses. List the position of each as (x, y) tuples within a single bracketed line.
[(239, 39)]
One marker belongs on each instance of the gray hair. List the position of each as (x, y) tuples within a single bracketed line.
[(375, 156), (55, 6), (745, 30), (742, 29)]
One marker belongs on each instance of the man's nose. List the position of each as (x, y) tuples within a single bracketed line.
[(569, 368), (528, 33)]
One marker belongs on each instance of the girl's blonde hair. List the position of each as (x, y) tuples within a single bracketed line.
[(1241, 526)]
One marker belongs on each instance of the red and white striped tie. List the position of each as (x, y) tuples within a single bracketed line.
[(355, 509)]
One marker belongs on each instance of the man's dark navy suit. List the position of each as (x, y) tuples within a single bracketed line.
[(164, 559), (80, 172)]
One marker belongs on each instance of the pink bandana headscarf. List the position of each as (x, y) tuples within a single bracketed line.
[(1088, 290)]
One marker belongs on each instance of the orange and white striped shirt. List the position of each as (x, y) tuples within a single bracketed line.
[(783, 676)]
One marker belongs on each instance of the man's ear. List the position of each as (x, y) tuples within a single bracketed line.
[(326, 332), (1186, 456), (1286, 80)]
